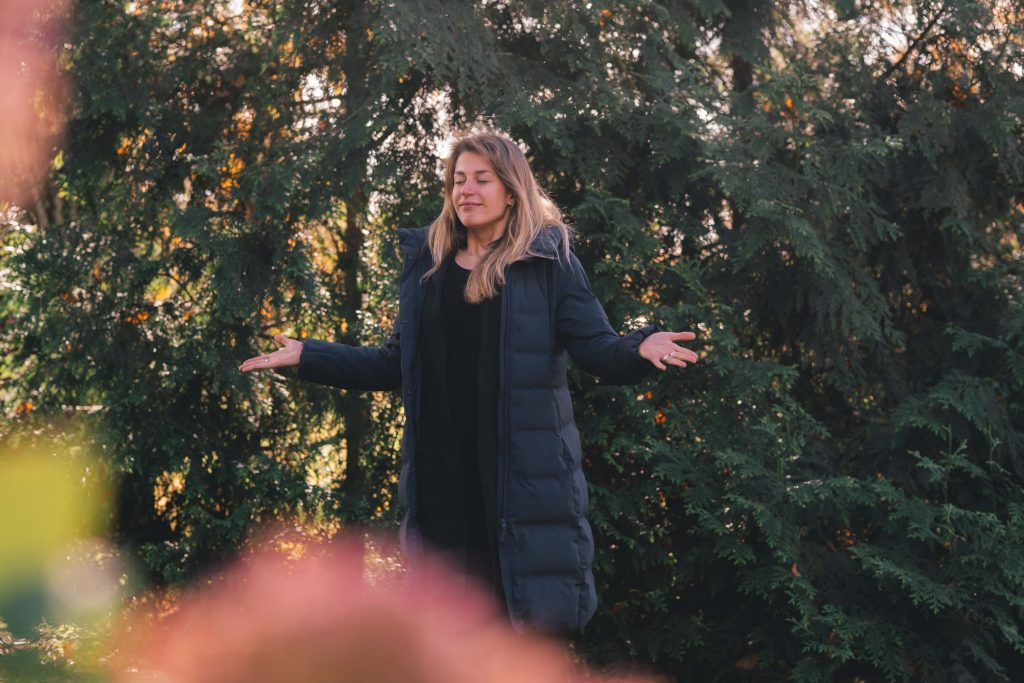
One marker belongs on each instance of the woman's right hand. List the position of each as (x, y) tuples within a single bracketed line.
[(287, 355)]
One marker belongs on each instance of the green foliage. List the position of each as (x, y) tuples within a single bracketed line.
[(833, 493)]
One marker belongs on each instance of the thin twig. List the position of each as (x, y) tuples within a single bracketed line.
[(914, 43)]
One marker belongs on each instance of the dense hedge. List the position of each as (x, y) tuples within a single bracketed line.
[(830, 195)]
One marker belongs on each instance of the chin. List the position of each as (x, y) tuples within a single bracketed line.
[(474, 222)]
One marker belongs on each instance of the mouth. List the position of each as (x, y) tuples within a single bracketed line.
[(467, 206)]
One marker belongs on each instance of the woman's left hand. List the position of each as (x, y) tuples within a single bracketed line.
[(660, 348)]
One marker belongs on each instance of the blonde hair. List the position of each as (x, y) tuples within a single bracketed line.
[(531, 211)]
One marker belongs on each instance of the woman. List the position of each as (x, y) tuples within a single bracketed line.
[(491, 299)]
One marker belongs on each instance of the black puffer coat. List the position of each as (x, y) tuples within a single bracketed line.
[(546, 545)]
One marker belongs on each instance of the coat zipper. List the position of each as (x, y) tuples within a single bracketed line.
[(413, 333), (504, 441)]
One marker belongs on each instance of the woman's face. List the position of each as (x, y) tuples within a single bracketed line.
[(480, 198)]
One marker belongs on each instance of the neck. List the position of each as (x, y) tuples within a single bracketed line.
[(478, 239)]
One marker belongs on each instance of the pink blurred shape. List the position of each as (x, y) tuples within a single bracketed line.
[(33, 94), (270, 619)]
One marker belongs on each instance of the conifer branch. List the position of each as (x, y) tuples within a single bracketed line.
[(914, 44)]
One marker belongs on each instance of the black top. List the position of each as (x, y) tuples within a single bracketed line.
[(457, 460)]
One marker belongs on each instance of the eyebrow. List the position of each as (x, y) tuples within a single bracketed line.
[(486, 170)]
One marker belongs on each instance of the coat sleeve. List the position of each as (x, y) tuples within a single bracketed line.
[(582, 326), (353, 367)]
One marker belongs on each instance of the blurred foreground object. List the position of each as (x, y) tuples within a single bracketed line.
[(270, 619), (51, 503), (32, 94)]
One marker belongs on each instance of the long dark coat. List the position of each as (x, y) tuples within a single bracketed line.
[(546, 545)]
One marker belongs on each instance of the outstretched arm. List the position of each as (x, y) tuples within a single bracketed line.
[(582, 326), (338, 365), (353, 367)]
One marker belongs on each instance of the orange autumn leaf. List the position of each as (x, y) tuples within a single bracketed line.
[(847, 537), (230, 170)]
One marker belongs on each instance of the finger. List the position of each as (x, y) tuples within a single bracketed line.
[(662, 362), (685, 354), (255, 363), (683, 336), (674, 359), (281, 339)]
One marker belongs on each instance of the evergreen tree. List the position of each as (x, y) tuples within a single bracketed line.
[(214, 191), (830, 195)]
